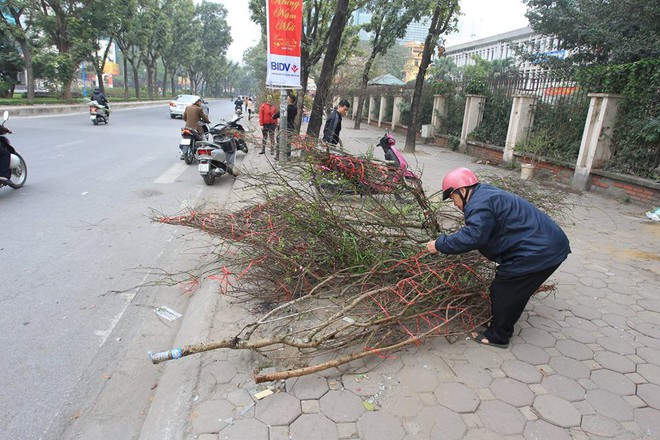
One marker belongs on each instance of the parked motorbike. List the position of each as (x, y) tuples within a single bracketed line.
[(188, 144), (216, 158), (17, 165), (99, 113), (232, 128), (343, 174)]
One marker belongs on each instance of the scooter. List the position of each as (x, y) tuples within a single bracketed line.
[(344, 174), (17, 165), (99, 113), (188, 142), (216, 158), (232, 128)]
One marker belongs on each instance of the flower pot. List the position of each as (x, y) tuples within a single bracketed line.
[(526, 171)]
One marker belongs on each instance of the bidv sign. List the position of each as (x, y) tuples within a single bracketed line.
[(283, 67)]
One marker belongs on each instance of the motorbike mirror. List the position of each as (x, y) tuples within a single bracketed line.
[(5, 116)]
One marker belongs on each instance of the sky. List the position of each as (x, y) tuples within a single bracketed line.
[(480, 19)]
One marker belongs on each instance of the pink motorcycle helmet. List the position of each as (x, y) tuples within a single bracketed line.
[(457, 178)]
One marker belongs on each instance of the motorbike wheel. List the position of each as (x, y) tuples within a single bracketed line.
[(209, 178), (242, 145), (95, 121), (18, 175), (189, 156)]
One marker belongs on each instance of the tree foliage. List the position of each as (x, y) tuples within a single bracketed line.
[(600, 32)]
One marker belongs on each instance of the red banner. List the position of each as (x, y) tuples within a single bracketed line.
[(284, 23)]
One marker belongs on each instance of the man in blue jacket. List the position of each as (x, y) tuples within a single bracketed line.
[(524, 242)]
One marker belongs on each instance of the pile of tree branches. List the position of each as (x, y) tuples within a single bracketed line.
[(341, 270)]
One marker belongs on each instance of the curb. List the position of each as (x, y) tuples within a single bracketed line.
[(41, 110)]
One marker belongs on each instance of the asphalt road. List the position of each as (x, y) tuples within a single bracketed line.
[(78, 253)]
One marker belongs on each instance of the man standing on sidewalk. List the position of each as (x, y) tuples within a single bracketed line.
[(268, 122), (524, 242), (333, 123)]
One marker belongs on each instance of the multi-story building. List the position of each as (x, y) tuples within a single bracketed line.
[(416, 31), (413, 60), (501, 46)]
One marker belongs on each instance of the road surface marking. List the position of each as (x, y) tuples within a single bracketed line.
[(172, 173)]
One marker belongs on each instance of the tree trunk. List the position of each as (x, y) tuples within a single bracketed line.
[(136, 82), (125, 78), (164, 82), (66, 89), (150, 82), (325, 79), (439, 25), (27, 60), (173, 83), (357, 114)]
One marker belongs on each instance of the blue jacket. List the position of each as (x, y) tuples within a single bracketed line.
[(508, 230)]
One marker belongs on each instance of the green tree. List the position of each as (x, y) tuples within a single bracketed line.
[(600, 32), (389, 21), (444, 69), (10, 66), (16, 21), (443, 19)]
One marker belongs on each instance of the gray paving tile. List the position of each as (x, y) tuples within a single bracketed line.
[(530, 354), (650, 393), (540, 430), (481, 434), (363, 384), (278, 433), (310, 426), (310, 406), (574, 350), (342, 406), (347, 430), (472, 375), (648, 420), (587, 311), (210, 416), (583, 324), (557, 411), (484, 357), (378, 425), (614, 382), (521, 371), (615, 362), (501, 417), (243, 429), (457, 397), (649, 372), (439, 422), (610, 405), (569, 367), (404, 405), (513, 392), (278, 409), (312, 386), (564, 387), (418, 379), (538, 337)]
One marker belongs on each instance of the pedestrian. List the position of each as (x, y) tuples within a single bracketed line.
[(507, 229), (268, 122), (245, 102), (333, 123), (250, 108)]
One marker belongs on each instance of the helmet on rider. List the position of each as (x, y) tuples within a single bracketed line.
[(457, 178)]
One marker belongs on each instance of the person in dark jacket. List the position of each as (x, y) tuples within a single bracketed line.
[(525, 243), (194, 117), (99, 96), (333, 123)]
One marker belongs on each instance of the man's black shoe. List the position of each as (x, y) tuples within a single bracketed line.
[(262, 152)]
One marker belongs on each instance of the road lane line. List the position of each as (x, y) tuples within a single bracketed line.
[(172, 173)]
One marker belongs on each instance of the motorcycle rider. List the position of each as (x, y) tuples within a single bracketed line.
[(238, 104), (99, 97), (5, 156), (194, 117)]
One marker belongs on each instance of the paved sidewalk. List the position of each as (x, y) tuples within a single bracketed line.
[(584, 362)]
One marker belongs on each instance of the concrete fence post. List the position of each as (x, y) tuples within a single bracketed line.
[(520, 122), (372, 106), (381, 113), (396, 111), (596, 145), (474, 111), (439, 111), (356, 101)]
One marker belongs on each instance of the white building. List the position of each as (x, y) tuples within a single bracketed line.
[(501, 46)]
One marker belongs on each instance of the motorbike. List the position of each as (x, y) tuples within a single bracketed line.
[(216, 158), (233, 128), (17, 165), (99, 113), (188, 144), (345, 174)]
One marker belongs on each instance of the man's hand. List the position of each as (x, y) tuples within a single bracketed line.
[(430, 246)]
